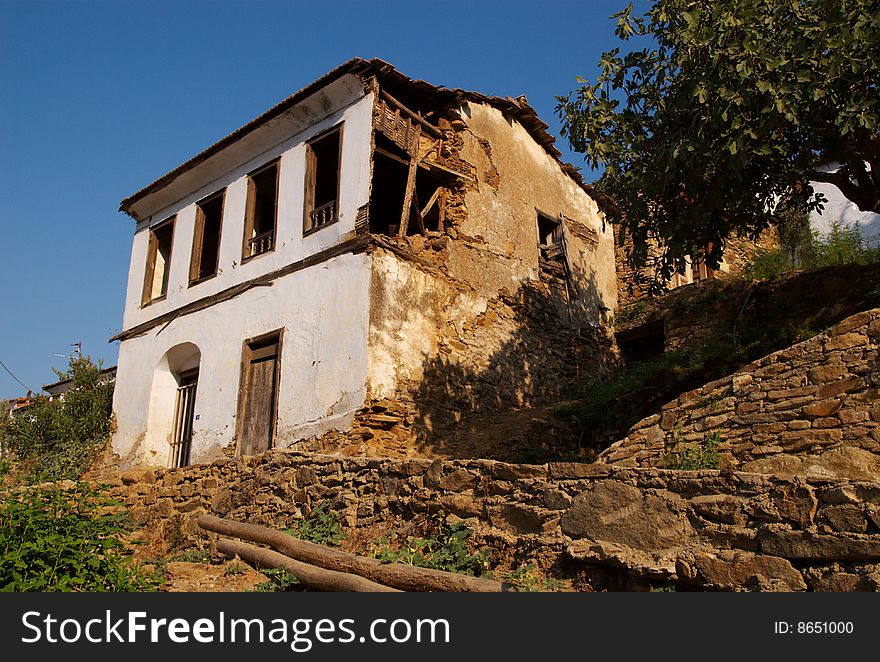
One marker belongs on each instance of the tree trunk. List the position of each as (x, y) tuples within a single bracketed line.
[(398, 575), (319, 578)]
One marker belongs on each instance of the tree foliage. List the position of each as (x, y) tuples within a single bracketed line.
[(59, 439), (722, 109)]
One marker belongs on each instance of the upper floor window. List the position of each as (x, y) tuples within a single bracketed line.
[(322, 180), (261, 212), (158, 261), (206, 238), (551, 245)]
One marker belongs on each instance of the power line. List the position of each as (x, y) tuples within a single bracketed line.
[(16, 378)]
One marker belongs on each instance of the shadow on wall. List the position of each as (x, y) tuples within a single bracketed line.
[(488, 392)]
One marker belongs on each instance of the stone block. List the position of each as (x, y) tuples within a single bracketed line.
[(576, 470), (817, 547), (623, 514), (823, 407), (733, 569), (847, 518)]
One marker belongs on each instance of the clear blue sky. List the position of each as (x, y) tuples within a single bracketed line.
[(101, 98)]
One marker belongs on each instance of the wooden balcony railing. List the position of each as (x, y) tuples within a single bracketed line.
[(322, 215), (262, 243)]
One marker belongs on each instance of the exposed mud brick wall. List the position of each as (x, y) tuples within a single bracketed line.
[(720, 308), (810, 409), (464, 320), (708, 529)]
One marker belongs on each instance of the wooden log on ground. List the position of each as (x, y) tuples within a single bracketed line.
[(319, 578), (398, 575)]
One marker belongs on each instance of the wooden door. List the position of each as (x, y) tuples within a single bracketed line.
[(258, 395)]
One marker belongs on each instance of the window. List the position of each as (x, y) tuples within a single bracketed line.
[(551, 245), (322, 180), (206, 238), (158, 261), (261, 211)]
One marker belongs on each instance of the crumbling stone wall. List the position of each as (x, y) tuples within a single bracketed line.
[(465, 321), (810, 409), (640, 527)]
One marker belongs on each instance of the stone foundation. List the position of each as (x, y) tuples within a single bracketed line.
[(593, 523)]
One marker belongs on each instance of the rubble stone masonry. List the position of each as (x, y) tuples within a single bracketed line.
[(699, 529), (810, 409)]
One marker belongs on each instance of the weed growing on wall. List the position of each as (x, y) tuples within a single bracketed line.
[(695, 455), (443, 547), (321, 527), (526, 580)]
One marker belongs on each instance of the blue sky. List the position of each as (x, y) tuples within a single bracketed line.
[(101, 98)]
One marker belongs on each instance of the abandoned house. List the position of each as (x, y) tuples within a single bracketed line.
[(370, 240)]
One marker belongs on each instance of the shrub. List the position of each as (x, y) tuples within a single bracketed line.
[(841, 245), (54, 539), (766, 264), (694, 456), (321, 527), (60, 439), (444, 547)]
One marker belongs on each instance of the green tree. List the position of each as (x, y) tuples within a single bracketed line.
[(60, 439), (721, 109)]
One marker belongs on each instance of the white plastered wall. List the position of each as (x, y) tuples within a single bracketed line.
[(323, 363), (323, 309)]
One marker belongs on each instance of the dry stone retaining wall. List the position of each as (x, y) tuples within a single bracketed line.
[(810, 409), (720, 308), (707, 529)]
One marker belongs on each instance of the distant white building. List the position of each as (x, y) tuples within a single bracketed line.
[(845, 212)]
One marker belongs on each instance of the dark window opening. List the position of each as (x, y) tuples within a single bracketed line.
[(642, 343), (184, 408), (390, 170), (551, 246), (322, 180), (389, 186), (158, 262), (206, 238), (261, 212)]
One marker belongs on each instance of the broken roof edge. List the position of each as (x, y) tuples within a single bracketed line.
[(519, 109)]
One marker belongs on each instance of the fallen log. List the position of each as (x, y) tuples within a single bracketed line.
[(398, 575), (319, 578)]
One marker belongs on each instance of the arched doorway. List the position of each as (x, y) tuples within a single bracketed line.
[(175, 384)]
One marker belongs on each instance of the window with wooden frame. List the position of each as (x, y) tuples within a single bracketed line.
[(261, 211), (551, 246), (323, 161), (158, 261), (206, 238)]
